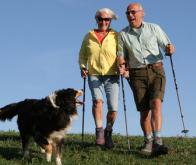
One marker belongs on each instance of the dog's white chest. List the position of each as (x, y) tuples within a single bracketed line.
[(57, 134)]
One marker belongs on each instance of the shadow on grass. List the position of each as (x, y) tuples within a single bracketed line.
[(71, 144), (119, 149), (15, 153), (10, 153)]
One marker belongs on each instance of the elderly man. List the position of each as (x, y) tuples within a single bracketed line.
[(139, 52)]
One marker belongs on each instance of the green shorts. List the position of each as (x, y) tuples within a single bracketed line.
[(147, 84)]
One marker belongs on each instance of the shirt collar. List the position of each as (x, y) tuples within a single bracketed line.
[(132, 29)]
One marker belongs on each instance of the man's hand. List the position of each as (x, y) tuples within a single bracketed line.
[(126, 74), (121, 68), (169, 49)]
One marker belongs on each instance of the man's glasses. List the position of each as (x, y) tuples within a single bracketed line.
[(100, 19), (133, 12)]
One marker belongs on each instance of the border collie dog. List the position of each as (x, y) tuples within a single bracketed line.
[(46, 120)]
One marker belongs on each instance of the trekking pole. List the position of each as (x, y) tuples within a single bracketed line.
[(125, 109), (185, 131), (83, 110)]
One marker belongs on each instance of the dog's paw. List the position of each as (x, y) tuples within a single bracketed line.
[(42, 150), (48, 157), (58, 161)]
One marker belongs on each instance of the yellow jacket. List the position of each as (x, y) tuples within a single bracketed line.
[(99, 59)]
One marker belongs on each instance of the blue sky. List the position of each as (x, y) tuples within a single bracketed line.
[(39, 45)]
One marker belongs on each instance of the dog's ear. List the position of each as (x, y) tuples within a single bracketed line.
[(52, 98)]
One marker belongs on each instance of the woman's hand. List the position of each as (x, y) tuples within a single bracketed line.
[(84, 72)]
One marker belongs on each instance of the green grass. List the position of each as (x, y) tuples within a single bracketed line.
[(181, 151)]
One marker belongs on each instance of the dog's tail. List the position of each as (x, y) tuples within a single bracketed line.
[(9, 111)]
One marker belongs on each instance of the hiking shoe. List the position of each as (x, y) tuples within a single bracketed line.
[(158, 140), (99, 136), (158, 147), (147, 146), (108, 139)]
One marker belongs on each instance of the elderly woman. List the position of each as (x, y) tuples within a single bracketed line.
[(98, 61)]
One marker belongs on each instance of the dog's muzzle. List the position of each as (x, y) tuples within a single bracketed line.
[(79, 93)]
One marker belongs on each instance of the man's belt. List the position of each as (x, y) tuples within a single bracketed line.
[(158, 65)]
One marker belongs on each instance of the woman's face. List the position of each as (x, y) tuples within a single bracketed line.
[(103, 21)]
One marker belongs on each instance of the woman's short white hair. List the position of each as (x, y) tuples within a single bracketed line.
[(110, 13)]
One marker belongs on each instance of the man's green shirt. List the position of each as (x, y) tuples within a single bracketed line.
[(142, 46)]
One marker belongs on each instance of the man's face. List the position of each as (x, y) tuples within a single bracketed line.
[(135, 15)]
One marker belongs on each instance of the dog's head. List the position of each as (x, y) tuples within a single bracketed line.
[(66, 99)]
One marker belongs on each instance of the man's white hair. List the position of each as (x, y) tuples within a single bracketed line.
[(108, 11)]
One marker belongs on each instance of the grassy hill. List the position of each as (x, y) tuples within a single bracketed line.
[(181, 151)]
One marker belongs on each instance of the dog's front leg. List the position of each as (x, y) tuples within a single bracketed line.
[(48, 151), (58, 151)]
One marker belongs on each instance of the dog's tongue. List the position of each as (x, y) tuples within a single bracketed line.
[(79, 102)]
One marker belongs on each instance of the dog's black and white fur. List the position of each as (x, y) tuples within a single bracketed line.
[(46, 120)]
